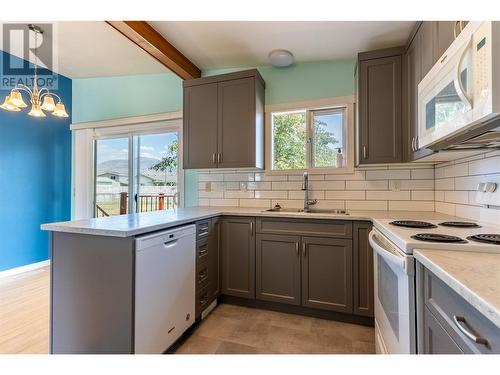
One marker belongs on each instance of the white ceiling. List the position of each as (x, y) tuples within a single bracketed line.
[(229, 44), (95, 49)]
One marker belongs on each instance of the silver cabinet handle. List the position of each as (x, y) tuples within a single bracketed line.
[(303, 249), (219, 158), (460, 322), (297, 248), (213, 158), (364, 152), (251, 228), (413, 139)]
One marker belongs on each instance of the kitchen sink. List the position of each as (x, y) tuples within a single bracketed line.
[(311, 211)]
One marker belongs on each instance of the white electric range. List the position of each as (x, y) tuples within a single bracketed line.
[(393, 242)]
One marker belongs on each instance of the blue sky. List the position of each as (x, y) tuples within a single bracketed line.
[(153, 146)]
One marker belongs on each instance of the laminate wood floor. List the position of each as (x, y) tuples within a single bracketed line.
[(229, 329)]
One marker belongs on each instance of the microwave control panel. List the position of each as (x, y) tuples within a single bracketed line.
[(481, 50)]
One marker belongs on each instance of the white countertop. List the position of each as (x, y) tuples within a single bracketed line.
[(139, 223), (474, 276)]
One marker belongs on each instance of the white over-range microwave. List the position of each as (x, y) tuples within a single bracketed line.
[(459, 99)]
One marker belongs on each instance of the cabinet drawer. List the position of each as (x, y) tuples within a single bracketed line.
[(202, 228), (202, 300), (436, 339), (457, 316), (202, 276), (202, 250), (306, 227)]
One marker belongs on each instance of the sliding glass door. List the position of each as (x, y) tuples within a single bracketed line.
[(144, 167)]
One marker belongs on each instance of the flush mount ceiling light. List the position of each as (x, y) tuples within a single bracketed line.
[(281, 58), (42, 99)]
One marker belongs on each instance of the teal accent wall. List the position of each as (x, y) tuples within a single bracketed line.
[(104, 98), (305, 81)]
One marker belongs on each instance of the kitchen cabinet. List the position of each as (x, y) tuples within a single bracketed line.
[(214, 259), (435, 339), (362, 270), (327, 273), (447, 323), (278, 268), (224, 121), (238, 257), (207, 263), (380, 103), (444, 37)]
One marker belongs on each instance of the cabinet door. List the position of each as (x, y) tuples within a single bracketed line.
[(327, 273), (380, 110), (436, 340), (278, 268), (238, 257), (427, 35), (363, 270), (237, 122), (413, 71), (444, 37), (214, 259), (200, 126)]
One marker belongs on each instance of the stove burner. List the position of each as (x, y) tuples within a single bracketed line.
[(435, 237), (486, 238), (459, 224), (412, 224)]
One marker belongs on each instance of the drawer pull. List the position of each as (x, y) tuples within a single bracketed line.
[(460, 323), (203, 251), (203, 233)]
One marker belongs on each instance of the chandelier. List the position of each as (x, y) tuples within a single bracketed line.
[(42, 99)]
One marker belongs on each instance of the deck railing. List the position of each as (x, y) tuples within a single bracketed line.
[(145, 203)]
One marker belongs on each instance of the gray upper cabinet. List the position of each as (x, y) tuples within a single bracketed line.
[(327, 273), (278, 268), (380, 106), (363, 270), (200, 126), (238, 256), (444, 37), (224, 121)]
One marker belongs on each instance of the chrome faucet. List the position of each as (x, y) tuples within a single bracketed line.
[(305, 186)]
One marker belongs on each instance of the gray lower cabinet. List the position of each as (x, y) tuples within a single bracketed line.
[(238, 256), (327, 273), (435, 339), (362, 270), (278, 268), (447, 323)]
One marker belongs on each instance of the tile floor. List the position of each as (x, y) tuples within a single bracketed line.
[(233, 329)]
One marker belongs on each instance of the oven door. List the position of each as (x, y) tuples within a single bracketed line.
[(394, 297)]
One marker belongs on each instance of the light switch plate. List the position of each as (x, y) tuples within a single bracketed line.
[(395, 185), (243, 186), (208, 186), (489, 198)]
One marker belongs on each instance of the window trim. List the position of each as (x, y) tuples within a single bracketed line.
[(346, 102)]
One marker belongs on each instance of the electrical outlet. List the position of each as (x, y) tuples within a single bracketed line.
[(395, 185), (243, 186), (208, 186)]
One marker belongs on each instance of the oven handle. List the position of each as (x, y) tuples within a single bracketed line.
[(390, 255)]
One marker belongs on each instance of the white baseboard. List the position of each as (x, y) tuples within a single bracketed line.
[(26, 268)]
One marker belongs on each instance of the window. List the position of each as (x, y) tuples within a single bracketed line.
[(308, 138)]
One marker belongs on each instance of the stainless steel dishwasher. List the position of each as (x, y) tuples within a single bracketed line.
[(164, 288)]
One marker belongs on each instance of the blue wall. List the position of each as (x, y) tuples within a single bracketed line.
[(35, 179)]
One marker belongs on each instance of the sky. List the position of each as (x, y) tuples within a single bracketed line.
[(153, 146)]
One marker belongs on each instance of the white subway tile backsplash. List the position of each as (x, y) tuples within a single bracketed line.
[(390, 174), (270, 194), (345, 195), (411, 206), (422, 174), (366, 185), (366, 205), (447, 187), (403, 195)]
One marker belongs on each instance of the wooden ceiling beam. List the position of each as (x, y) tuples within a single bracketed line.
[(151, 41)]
